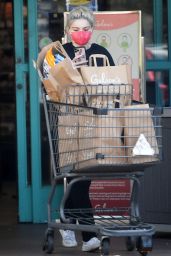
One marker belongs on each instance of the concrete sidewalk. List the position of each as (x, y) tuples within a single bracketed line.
[(26, 240)]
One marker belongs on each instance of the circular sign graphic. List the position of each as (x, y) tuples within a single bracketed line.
[(125, 60), (124, 41), (104, 40)]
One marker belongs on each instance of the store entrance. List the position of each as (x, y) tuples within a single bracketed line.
[(8, 152), (24, 158), (33, 158)]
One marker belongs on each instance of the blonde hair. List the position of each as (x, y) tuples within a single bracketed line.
[(80, 12)]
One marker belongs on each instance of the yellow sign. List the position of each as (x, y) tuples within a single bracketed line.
[(78, 2)]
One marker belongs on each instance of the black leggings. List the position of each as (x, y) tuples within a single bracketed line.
[(79, 199)]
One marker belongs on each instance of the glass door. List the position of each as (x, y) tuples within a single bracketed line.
[(34, 178)]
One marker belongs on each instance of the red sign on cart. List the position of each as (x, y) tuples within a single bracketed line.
[(111, 194)]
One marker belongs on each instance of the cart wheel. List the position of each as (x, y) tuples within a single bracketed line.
[(130, 243), (144, 245), (48, 245), (105, 244)]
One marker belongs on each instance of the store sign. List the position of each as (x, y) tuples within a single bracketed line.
[(120, 34), (111, 194)]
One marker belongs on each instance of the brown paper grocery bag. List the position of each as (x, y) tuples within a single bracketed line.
[(68, 139), (65, 74), (53, 89), (100, 139), (106, 75), (120, 74), (67, 79), (51, 85), (108, 96), (77, 140), (87, 142), (139, 133), (61, 76), (42, 55), (109, 138)]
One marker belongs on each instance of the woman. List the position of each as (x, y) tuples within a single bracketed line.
[(79, 29)]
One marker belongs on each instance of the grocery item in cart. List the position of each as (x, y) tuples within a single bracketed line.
[(52, 57)]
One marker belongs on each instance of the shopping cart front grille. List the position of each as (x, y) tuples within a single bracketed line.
[(88, 130), (81, 137)]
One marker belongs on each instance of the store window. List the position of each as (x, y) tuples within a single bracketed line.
[(157, 88), (155, 33), (50, 21), (50, 28)]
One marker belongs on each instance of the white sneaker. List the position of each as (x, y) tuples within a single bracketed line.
[(91, 245), (68, 238)]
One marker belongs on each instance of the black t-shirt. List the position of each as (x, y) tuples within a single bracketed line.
[(94, 49)]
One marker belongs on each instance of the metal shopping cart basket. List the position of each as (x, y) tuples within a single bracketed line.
[(93, 136)]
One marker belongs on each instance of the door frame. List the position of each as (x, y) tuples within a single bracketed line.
[(24, 189)]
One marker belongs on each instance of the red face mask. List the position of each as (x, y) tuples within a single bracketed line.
[(81, 37)]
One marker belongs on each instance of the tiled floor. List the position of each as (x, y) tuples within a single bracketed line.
[(26, 239)]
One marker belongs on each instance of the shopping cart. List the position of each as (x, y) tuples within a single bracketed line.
[(93, 136)]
